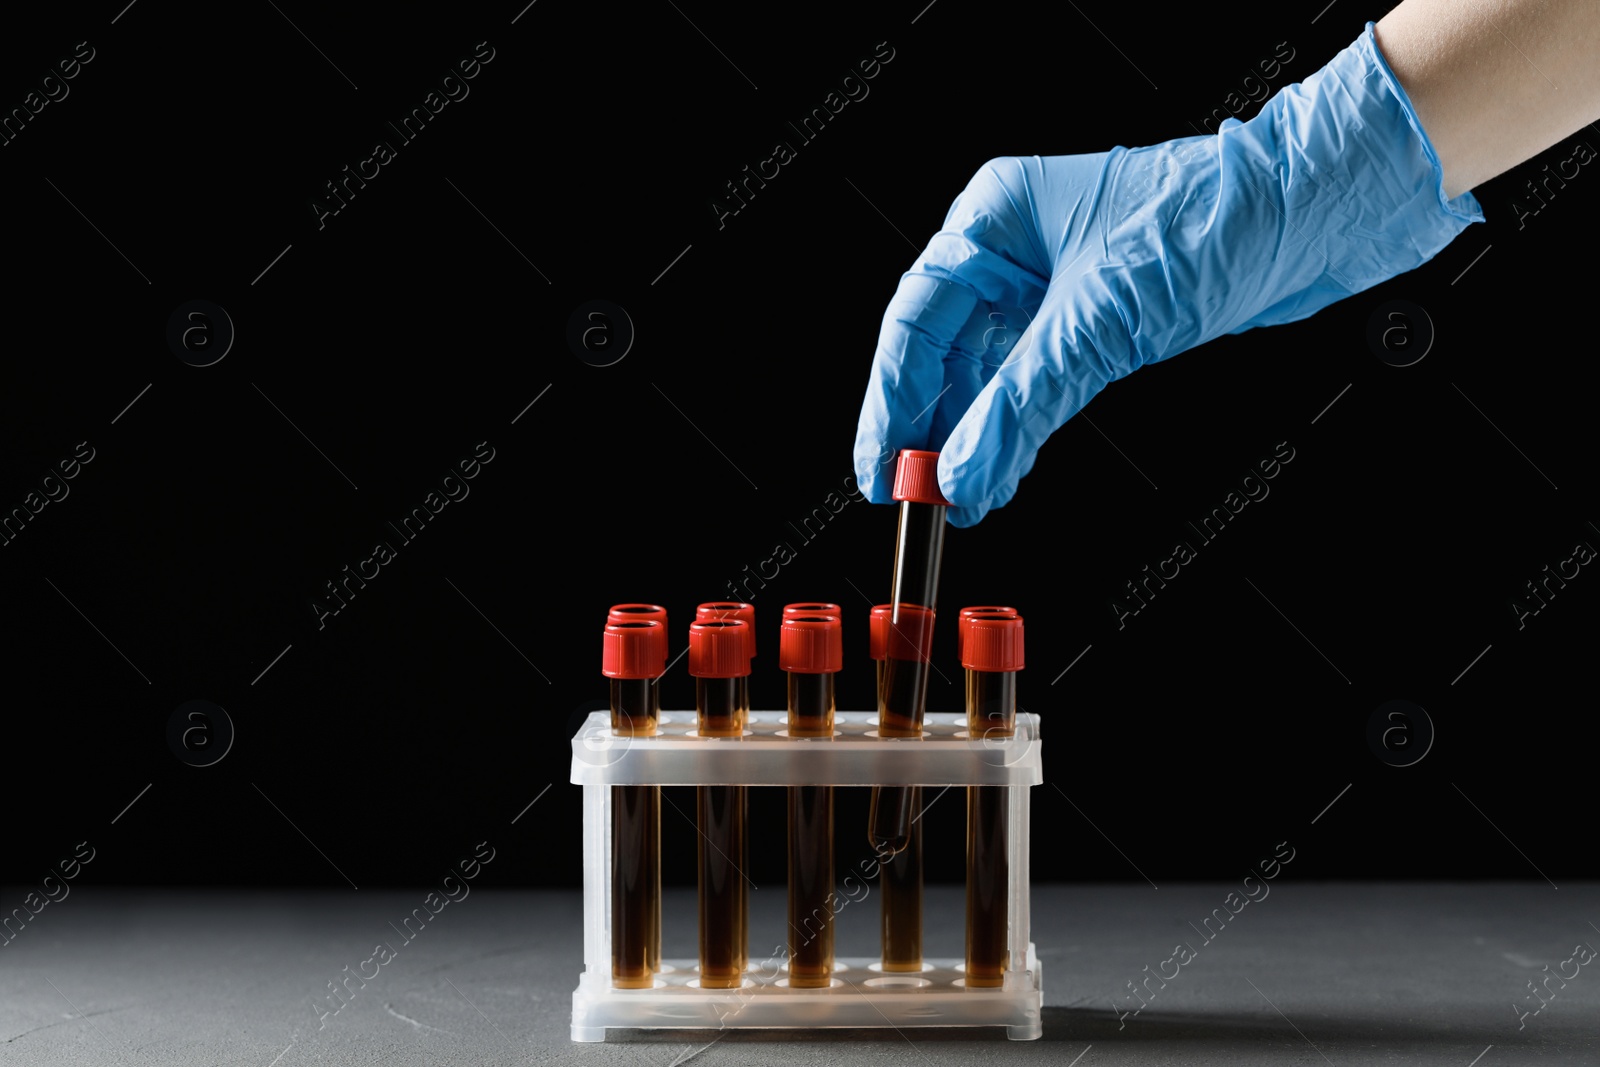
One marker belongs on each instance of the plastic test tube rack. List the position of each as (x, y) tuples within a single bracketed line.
[(861, 994)]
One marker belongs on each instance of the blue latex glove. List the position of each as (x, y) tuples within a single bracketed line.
[(1053, 277)]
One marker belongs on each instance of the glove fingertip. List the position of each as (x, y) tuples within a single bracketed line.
[(959, 481), (876, 490), (1002, 496), (967, 517)]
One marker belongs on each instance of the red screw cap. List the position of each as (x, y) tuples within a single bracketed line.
[(811, 644), (812, 609), (636, 649), (967, 613), (910, 637), (878, 633), (637, 613), (993, 643), (728, 609), (916, 478), (719, 648)]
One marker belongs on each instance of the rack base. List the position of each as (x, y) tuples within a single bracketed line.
[(862, 995)]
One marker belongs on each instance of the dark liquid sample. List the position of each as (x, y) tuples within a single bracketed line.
[(635, 847), (890, 818), (635, 901), (810, 885), (905, 694), (902, 694), (900, 880), (720, 816), (903, 678), (991, 703), (991, 713), (811, 914), (919, 549), (894, 827), (988, 883)]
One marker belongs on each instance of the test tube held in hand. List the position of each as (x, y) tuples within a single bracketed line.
[(899, 858), (634, 655), (903, 687), (894, 824), (992, 655), (719, 660), (902, 690), (900, 886), (811, 652), (918, 550)]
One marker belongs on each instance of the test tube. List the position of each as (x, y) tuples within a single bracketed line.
[(634, 655), (903, 687), (900, 886), (746, 613), (730, 609), (894, 825), (878, 640), (961, 633), (899, 860), (967, 613), (893, 810), (811, 651), (992, 656), (646, 613), (719, 660)]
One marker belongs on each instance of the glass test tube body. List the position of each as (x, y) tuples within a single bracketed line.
[(918, 551), (724, 708), (991, 713), (811, 708), (900, 883), (903, 681), (635, 847), (902, 696)]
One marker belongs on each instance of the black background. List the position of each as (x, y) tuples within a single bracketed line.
[(414, 324)]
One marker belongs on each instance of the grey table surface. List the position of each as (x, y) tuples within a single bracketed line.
[(1311, 974)]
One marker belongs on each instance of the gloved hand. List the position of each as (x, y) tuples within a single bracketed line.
[(1053, 277)]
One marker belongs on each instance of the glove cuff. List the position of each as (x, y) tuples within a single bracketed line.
[(1464, 208), (1357, 179)]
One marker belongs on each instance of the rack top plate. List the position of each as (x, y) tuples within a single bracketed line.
[(946, 754)]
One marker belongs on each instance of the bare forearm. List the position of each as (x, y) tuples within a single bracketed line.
[(1495, 82)]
